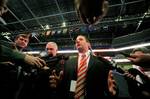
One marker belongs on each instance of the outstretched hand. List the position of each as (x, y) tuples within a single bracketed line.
[(34, 61), (112, 87), (55, 79)]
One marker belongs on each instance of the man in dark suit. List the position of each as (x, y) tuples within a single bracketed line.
[(96, 74)]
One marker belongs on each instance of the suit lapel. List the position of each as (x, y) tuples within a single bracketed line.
[(74, 65), (91, 61)]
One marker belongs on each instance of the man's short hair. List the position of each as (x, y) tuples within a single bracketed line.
[(22, 35), (52, 43), (86, 38), (142, 49)]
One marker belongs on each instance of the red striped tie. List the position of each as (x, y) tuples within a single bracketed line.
[(81, 76)]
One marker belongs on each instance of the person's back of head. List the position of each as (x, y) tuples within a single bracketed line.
[(141, 49)]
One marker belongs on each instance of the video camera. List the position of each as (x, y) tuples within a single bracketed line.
[(54, 63)]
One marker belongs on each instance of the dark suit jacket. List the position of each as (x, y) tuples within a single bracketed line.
[(7, 53), (96, 81), (8, 72), (40, 88)]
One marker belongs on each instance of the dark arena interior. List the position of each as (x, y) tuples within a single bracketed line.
[(123, 30)]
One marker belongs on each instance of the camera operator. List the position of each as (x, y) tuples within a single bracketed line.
[(52, 49), (47, 82)]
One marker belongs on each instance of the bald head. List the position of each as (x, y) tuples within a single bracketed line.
[(51, 48)]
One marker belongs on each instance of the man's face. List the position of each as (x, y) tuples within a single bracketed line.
[(51, 50), (81, 44), (22, 42)]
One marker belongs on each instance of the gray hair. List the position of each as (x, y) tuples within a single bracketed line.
[(52, 43)]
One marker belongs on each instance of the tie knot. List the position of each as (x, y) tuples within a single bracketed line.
[(83, 55)]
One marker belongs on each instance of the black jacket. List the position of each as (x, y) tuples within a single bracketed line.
[(96, 81)]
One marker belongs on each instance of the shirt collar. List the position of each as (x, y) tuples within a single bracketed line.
[(87, 53)]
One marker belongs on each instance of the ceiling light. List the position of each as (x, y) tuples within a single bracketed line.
[(47, 27), (63, 24), (103, 50), (3, 21)]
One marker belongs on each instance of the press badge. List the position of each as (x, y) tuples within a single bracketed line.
[(72, 85)]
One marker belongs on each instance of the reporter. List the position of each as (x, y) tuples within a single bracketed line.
[(140, 58), (7, 53), (8, 75), (9, 81), (18, 57), (46, 82), (56, 72)]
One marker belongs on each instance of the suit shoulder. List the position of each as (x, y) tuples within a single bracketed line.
[(104, 62)]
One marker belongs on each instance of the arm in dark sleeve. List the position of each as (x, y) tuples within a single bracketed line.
[(9, 54)]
